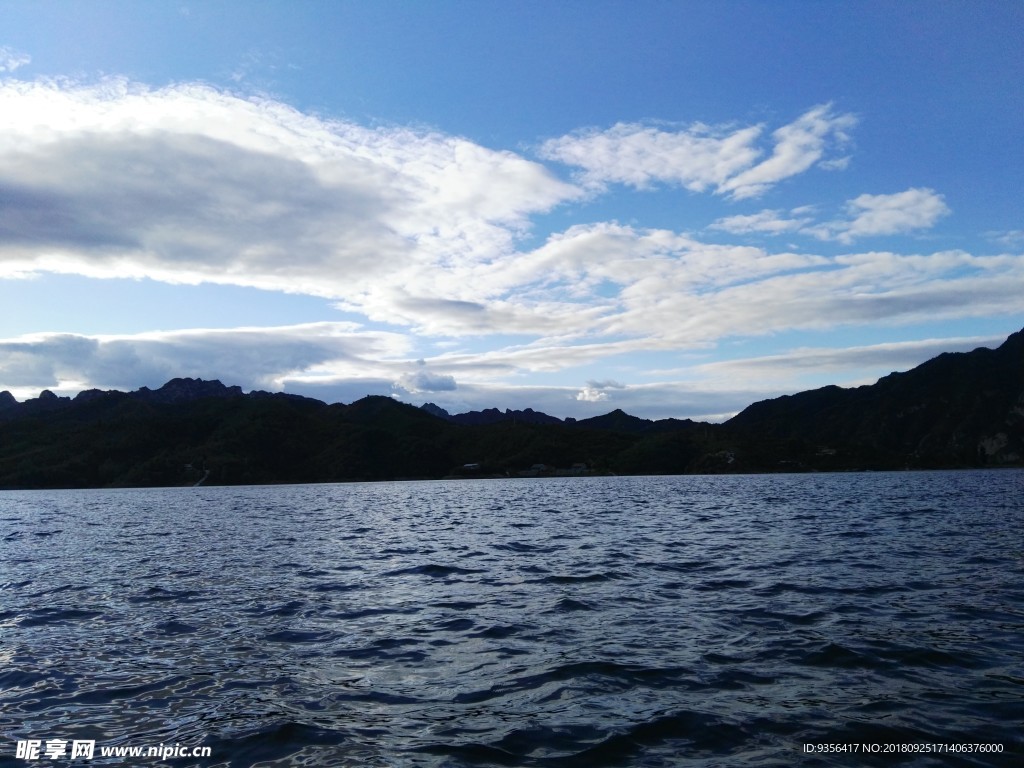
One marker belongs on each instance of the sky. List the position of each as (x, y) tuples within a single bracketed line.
[(672, 208)]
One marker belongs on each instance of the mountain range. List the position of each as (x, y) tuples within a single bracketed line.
[(956, 410)]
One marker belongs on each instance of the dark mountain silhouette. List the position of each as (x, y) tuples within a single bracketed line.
[(174, 391), (492, 416), (957, 410), (185, 390), (436, 410), (620, 421)]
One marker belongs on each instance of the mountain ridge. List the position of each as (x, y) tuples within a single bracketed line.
[(956, 402), (963, 409)]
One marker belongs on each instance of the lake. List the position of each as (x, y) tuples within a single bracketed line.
[(621, 621)]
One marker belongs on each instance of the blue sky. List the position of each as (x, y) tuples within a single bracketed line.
[(673, 208)]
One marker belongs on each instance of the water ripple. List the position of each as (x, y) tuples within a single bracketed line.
[(704, 621)]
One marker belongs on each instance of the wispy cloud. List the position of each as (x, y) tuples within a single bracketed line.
[(835, 362), (872, 215), (771, 222), (1012, 238), (835, 164), (10, 59), (640, 156), (701, 158), (866, 216), (798, 146)]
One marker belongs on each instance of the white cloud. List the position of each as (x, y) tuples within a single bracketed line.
[(426, 381), (189, 184), (701, 157), (867, 215), (597, 391), (1012, 238), (872, 215), (422, 231), (11, 59), (836, 164), (638, 155), (592, 395), (858, 289), (771, 222), (798, 146)]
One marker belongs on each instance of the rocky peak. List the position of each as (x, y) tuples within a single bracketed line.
[(184, 390), (436, 410)]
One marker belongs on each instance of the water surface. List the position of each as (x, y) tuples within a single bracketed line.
[(580, 621)]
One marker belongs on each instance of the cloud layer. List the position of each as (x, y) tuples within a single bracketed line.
[(190, 184), (254, 357), (905, 212), (425, 234), (727, 161)]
